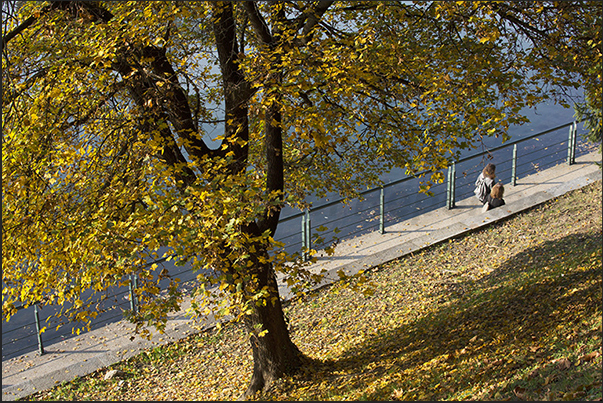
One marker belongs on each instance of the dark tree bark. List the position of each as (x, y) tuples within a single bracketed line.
[(274, 354)]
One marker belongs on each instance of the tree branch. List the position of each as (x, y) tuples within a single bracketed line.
[(178, 109), (313, 18), (526, 28), (257, 22), (237, 90), (30, 21), (22, 27)]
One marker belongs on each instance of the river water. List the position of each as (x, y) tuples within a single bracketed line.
[(402, 202)]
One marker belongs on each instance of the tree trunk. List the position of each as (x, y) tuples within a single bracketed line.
[(274, 354)]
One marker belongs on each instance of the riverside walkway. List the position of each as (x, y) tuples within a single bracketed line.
[(78, 356)]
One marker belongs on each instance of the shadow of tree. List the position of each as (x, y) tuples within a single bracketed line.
[(510, 313)]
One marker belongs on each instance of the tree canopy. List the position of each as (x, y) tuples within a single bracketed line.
[(130, 127)]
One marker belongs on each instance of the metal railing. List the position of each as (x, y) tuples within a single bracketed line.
[(550, 154), (408, 203)]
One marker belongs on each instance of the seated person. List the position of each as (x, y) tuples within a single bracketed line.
[(484, 182), (495, 198)]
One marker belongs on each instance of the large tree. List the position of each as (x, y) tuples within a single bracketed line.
[(130, 127)]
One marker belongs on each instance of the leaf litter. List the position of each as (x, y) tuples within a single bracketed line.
[(507, 312)]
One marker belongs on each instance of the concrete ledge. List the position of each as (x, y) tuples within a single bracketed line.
[(14, 392)]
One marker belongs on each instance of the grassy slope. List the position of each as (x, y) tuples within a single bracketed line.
[(508, 312)]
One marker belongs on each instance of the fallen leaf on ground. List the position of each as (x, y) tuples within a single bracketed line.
[(563, 363), (590, 356), (520, 392)]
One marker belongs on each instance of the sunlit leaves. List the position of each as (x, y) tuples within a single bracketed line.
[(106, 105)]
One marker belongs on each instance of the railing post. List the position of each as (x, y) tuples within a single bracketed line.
[(37, 319), (571, 144), (303, 236), (382, 211), (135, 297), (308, 233), (454, 184), (514, 166), (451, 186), (574, 141), (132, 287), (448, 193)]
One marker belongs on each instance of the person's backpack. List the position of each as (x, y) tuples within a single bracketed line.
[(481, 188)]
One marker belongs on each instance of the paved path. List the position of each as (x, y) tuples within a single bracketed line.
[(100, 348)]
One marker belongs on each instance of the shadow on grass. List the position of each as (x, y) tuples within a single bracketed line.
[(488, 333)]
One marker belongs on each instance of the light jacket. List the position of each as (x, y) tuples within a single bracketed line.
[(483, 186)]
